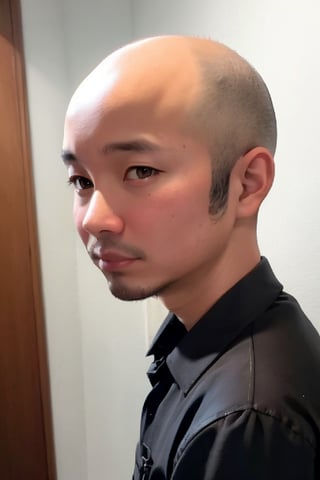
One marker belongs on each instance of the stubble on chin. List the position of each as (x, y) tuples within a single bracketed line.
[(128, 293)]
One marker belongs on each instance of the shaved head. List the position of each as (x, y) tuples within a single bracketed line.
[(211, 90), (235, 112)]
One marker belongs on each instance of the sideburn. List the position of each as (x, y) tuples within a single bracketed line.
[(218, 196)]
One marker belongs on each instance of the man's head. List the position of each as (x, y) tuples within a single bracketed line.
[(169, 144)]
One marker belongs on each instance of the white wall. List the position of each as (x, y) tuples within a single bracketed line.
[(91, 31), (47, 87), (96, 344)]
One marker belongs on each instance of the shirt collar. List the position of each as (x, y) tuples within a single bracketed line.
[(190, 353), (168, 336)]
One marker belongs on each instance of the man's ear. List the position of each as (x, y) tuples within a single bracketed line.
[(254, 174)]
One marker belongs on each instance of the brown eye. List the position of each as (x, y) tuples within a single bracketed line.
[(80, 183), (140, 172)]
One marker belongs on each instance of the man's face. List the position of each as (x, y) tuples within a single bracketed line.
[(142, 181)]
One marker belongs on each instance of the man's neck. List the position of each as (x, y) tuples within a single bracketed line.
[(193, 297)]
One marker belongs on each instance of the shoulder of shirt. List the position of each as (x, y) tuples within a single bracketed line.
[(269, 371), (249, 421)]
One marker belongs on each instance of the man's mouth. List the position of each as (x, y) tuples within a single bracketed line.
[(112, 261)]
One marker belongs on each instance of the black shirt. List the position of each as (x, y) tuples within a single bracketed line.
[(238, 396)]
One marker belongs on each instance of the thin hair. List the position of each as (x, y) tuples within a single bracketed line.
[(236, 114)]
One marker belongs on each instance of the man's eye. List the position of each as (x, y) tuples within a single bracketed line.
[(140, 172), (80, 183)]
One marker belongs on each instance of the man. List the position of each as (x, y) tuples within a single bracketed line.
[(169, 144)]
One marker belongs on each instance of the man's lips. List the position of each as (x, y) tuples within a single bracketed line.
[(110, 261)]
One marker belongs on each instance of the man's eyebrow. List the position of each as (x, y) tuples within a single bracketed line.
[(68, 157), (138, 146)]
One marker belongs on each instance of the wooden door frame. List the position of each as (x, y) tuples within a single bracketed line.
[(16, 40)]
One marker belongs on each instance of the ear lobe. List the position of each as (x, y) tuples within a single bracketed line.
[(256, 173)]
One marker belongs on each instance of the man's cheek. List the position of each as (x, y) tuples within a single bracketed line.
[(78, 220), (84, 236)]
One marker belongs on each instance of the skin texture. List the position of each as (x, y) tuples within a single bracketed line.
[(140, 159)]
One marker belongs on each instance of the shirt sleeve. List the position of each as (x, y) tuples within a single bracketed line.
[(246, 445)]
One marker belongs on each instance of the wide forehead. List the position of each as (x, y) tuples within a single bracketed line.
[(158, 81), (144, 73)]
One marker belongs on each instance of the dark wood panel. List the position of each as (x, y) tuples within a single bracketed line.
[(26, 445)]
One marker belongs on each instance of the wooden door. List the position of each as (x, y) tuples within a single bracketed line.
[(26, 445)]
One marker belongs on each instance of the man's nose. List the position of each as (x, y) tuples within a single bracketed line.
[(100, 217)]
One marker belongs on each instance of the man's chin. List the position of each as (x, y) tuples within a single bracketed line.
[(123, 292)]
